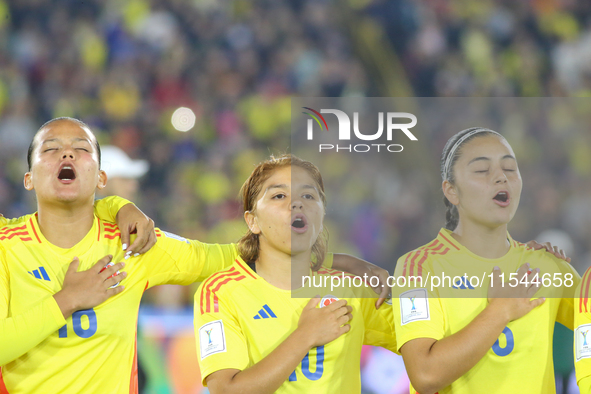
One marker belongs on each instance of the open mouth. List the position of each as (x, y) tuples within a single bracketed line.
[(299, 223), (67, 174), (502, 197)]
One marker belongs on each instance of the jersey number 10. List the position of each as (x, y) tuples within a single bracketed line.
[(77, 324), (306, 366)]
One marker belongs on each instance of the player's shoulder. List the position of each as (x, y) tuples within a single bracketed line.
[(227, 281), (541, 258), (18, 230), (418, 260), (107, 231)]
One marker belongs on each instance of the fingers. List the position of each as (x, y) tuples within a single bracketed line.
[(535, 245), (140, 240), (114, 280), (313, 303), (336, 305), (344, 329), (344, 319), (125, 234), (149, 243), (112, 270), (115, 291), (102, 263), (73, 265), (537, 302)]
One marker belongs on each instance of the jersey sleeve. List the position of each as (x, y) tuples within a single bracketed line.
[(220, 341), (21, 333), (106, 208), (566, 309), (176, 260), (418, 312), (582, 323), (379, 323), (3, 221)]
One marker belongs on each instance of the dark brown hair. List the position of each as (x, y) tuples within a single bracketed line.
[(248, 246)]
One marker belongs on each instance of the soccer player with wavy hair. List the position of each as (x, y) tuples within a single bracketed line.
[(252, 335), (467, 337)]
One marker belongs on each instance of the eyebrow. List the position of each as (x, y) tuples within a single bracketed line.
[(77, 139), (284, 186), (481, 158)]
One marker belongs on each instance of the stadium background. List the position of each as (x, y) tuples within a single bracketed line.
[(124, 66)]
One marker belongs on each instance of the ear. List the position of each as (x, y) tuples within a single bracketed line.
[(102, 180), (450, 192), (251, 222), (28, 181)]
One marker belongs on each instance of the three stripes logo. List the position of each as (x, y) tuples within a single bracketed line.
[(265, 313), (40, 273)]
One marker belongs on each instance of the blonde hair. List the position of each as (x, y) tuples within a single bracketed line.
[(248, 246)]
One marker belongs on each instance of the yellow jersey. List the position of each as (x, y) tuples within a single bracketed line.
[(94, 350), (521, 359), (582, 341), (240, 318)]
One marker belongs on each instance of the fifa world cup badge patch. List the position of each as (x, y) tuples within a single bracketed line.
[(327, 300), (212, 338), (414, 306), (583, 342)]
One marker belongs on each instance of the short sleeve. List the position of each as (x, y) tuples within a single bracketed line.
[(220, 341), (107, 208), (582, 324), (418, 312)]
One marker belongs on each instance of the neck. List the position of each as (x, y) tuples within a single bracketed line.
[(64, 225), (490, 243), (283, 270)]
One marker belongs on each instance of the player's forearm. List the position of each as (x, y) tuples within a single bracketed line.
[(19, 334), (451, 357), (270, 373), (348, 263)]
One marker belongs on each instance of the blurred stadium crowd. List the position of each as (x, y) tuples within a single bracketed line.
[(124, 66)]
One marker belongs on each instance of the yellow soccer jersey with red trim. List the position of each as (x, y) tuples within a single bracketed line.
[(240, 319), (523, 352), (93, 351), (582, 339)]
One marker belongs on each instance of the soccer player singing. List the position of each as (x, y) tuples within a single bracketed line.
[(65, 326), (252, 336), (487, 339)]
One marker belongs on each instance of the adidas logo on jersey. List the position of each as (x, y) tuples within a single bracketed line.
[(265, 313), (463, 284), (40, 273)]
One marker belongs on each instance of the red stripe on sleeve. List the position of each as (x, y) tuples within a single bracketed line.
[(582, 294), (9, 230), (215, 296), (213, 281), (586, 294)]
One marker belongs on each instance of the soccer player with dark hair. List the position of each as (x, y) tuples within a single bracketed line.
[(470, 338), (66, 325)]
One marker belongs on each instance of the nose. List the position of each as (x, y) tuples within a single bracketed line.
[(68, 154), (296, 204), (500, 176)]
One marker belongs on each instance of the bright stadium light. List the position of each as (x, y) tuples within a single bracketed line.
[(183, 119)]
